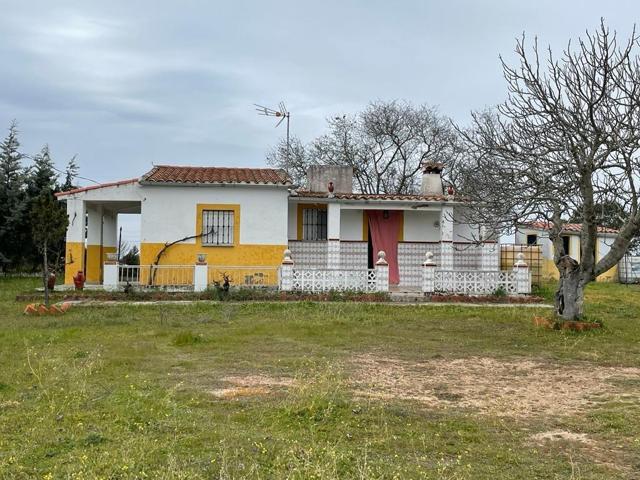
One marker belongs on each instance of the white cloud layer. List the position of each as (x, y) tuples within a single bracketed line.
[(125, 84)]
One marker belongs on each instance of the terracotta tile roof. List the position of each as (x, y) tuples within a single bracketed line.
[(95, 187), (568, 227), (373, 196), (180, 174)]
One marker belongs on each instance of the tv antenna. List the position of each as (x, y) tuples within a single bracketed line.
[(282, 113)]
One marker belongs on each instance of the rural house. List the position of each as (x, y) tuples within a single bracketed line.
[(242, 223), (537, 233)]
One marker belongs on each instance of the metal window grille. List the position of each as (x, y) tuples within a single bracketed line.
[(314, 224), (532, 255), (217, 227)]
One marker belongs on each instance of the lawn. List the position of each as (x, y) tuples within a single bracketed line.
[(318, 390)]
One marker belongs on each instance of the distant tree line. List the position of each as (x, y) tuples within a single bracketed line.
[(30, 217)]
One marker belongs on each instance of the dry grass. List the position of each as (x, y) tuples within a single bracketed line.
[(504, 388), (250, 386)]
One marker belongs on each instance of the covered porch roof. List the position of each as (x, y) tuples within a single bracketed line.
[(367, 201)]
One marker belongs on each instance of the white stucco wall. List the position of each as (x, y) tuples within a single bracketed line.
[(169, 213), (110, 229), (604, 245), (543, 240), (292, 221), (108, 234), (76, 212), (351, 225), (463, 232), (419, 226), (118, 193)]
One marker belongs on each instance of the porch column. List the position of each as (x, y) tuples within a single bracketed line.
[(93, 268), (446, 238), (333, 235), (109, 233), (74, 247)]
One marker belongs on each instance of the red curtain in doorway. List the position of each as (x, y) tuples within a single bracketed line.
[(384, 226)]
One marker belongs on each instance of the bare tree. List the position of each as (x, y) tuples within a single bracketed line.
[(385, 144), (293, 158), (566, 140)]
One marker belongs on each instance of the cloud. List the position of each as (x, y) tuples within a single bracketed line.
[(123, 84)]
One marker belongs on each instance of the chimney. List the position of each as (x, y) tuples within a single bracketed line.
[(330, 178), (432, 178)]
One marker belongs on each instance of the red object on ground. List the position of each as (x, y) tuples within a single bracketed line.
[(55, 310), (79, 279), (30, 309), (384, 236)]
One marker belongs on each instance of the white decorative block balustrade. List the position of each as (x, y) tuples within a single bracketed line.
[(476, 282), (304, 279), (338, 280)]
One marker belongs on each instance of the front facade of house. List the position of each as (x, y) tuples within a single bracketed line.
[(537, 233), (241, 221)]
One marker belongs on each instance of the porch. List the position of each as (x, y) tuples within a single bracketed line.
[(358, 255), (347, 231)]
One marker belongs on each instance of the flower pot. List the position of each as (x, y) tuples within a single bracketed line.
[(51, 281), (79, 279)]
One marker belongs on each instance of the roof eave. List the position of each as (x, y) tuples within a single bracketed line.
[(213, 184)]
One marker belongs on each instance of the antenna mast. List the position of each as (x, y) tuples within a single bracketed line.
[(281, 113)]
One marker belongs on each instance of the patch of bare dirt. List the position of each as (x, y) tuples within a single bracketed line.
[(514, 388), (250, 386), (561, 435), (600, 452)]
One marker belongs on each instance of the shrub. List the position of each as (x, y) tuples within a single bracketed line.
[(500, 291)]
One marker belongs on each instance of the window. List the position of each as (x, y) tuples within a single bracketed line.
[(314, 224), (217, 227), (532, 239)]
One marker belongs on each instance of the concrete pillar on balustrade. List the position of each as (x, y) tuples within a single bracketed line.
[(446, 238), (111, 271), (286, 272), (200, 273), (523, 276), (333, 236), (429, 274), (382, 273)]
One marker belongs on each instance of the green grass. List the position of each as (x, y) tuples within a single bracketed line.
[(135, 391)]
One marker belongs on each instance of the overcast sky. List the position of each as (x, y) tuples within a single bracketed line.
[(125, 84)]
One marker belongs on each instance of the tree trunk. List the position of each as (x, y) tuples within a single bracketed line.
[(45, 276), (570, 293)]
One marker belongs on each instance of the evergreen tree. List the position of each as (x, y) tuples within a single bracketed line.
[(13, 208), (42, 175), (48, 226), (71, 173), (41, 179)]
